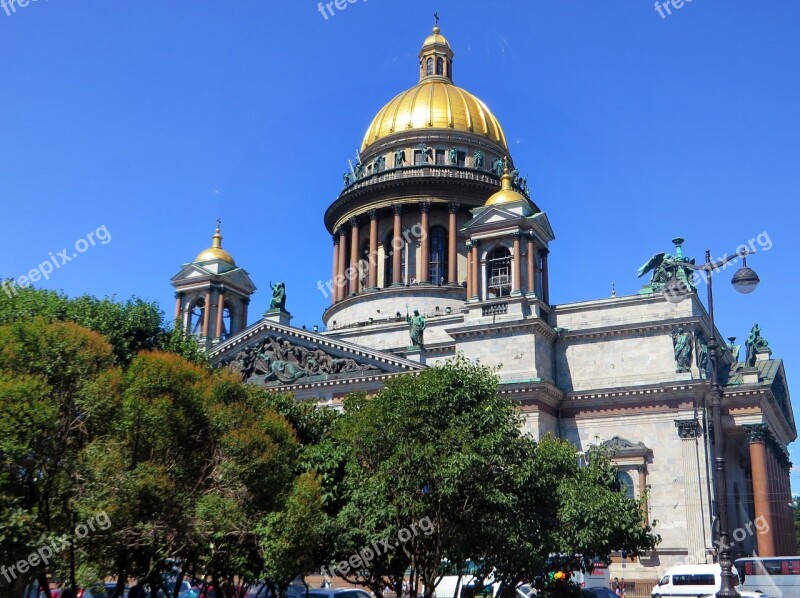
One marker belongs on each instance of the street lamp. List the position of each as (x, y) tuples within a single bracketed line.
[(745, 281)]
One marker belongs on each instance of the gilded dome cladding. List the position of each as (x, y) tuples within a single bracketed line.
[(435, 105)]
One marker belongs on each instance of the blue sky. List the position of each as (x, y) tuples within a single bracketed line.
[(154, 118)]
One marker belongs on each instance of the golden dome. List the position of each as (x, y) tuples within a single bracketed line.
[(435, 103), (507, 194), (215, 252)]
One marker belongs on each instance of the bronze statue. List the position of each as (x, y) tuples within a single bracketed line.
[(416, 328), (499, 166), (755, 343), (682, 347), (734, 348), (477, 160), (703, 362), (427, 152), (278, 296), (664, 267), (399, 157), (452, 156)]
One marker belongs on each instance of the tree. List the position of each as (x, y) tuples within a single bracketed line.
[(187, 466), (189, 470), (129, 326), (444, 449), (45, 371), (796, 508)]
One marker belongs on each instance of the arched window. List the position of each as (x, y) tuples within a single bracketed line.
[(440, 66), (626, 482), (227, 322), (388, 262), (363, 265), (498, 273), (438, 258), (197, 315), (429, 66)]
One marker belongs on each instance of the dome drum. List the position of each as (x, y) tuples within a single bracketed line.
[(430, 157)]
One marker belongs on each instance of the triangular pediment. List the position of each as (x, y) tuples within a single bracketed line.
[(542, 223), (493, 216), (275, 355), (198, 272)]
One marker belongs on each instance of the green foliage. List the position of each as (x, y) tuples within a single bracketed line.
[(188, 465), (290, 537), (45, 369), (444, 446), (130, 326)]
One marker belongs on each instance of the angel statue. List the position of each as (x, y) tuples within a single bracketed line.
[(665, 267), (278, 296)]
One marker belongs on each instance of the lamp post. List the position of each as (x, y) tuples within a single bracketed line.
[(745, 281)]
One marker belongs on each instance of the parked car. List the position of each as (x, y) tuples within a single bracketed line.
[(744, 594), (339, 593)]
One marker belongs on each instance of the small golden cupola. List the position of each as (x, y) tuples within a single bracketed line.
[(507, 193), (216, 252)]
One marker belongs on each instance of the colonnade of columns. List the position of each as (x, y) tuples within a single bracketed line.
[(214, 300), (534, 256), (346, 268)]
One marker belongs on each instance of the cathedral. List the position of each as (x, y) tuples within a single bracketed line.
[(438, 249)]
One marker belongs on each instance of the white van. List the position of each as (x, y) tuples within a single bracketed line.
[(597, 577), (691, 580)]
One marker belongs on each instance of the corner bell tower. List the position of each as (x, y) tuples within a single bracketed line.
[(212, 295)]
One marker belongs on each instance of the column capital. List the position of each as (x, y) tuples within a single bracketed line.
[(335, 237), (373, 214), (516, 235), (469, 245), (757, 433), (354, 221), (178, 294), (397, 209), (687, 428), (453, 207), (530, 235), (425, 207), (641, 468)]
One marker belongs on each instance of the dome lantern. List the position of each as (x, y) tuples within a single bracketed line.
[(435, 103), (436, 58)]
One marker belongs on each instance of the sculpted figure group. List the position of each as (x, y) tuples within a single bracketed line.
[(275, 359)]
